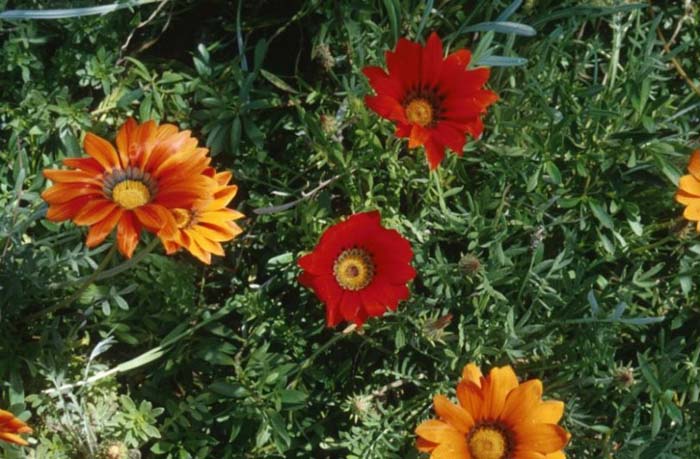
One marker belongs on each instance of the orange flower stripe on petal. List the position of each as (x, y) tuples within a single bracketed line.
[(496, 418), (358, 269), (434, 101), (153, 170), (11, 427)]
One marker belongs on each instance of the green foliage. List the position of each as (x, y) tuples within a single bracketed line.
[(553, 245)]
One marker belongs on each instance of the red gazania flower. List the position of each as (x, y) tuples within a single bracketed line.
[(11, 427), (433, 100), (496, 418), (153, 169), (358, 269), (202, 228)]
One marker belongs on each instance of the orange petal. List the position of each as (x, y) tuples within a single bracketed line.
[(542, 438), (424, 445), (521, 401), (454, 415), (218, 233), (206, 244), (223, 197), (470, 398), (497, 385), (556, 455), (419, 135), (13, 438), (439, 432), (472, 373), (85, 164), (66, 210), (67, 176), (527, 454), (100, 230), (694, 164), (101, 150), (686, 198), (64, 192), (452, 450), (549, 412), (690, 185), (197, 251), (692, 211), (124, 138), (128, 232), (94, 211)]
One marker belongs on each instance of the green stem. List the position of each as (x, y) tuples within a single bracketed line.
[(89, 280), (128, 264), (307, 363)]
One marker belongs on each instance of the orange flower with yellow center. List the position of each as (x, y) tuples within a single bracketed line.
[(11, 427), (153, 169), (202, 228), (496, 418), (688, 192)]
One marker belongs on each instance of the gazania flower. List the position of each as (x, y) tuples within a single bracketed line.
[(152, 170), (358, 269), (203, 227), (10, 427), (433, 100), (688, 192), (496, 418)]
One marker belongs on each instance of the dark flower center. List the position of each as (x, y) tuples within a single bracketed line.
[(129, 188)]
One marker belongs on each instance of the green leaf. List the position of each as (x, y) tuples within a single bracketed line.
[(601, 214)]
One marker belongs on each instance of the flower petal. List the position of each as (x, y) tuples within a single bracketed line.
[(454, 415)]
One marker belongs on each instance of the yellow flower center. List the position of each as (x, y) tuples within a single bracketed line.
[(131, 194), (354, 269), (419, 111), (183, 218), (487, 443)]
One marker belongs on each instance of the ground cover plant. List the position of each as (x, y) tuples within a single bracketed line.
[(267, 230)]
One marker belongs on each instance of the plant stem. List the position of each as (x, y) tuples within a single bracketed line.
[(307, 363), (128, 264)]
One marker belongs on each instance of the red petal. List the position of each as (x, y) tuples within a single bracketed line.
[(461, 58), (431, 65), (435, 153), (447, 134), (386, 107), (404, 64), (382, 83)]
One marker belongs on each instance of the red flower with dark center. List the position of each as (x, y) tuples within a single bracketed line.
[(433, 100), (358, 269)]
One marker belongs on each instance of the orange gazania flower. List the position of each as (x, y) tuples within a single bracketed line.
[(10, 427), (688, 192), (133, 187), (496, 418), (358, 269), (202, 228), (433, 100)]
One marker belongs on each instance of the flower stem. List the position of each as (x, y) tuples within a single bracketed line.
[(128, 264), (307, 363)]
